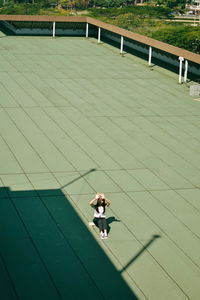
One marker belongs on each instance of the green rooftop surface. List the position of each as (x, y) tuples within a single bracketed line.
[(77, 117)]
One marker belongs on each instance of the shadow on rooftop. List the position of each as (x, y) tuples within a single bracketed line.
[(109, 221), (79, 177), (144, 248), (47, 252)]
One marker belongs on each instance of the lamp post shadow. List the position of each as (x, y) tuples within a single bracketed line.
[(143, 249), (77, 178)]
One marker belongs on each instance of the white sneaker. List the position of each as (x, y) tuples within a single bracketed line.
[(105, 236), (102, 235), (91, 224)]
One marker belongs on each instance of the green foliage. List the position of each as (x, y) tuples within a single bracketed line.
[(19, 9), (143, 20), (28, 9), (173, 3), (105, 3), (145, 11), (186, 37)]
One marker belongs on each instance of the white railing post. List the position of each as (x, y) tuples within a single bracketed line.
[(122, 43), (181, 59), (54, 29), (150, 54), (186, 70), (99, 35), (87, 26)]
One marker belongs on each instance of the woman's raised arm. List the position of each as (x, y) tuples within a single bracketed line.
[(107, 201), (92, 201)]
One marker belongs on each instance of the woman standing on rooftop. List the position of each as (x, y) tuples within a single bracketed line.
[(99, 213)]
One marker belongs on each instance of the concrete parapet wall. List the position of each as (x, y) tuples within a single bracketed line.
[(156, 53), (77, 27)]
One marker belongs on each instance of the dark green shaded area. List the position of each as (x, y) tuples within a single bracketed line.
[(48, 253)]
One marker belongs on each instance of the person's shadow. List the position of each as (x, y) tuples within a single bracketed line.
[(109, 221)]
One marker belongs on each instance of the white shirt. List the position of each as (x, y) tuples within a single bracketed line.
[(99, 214)]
